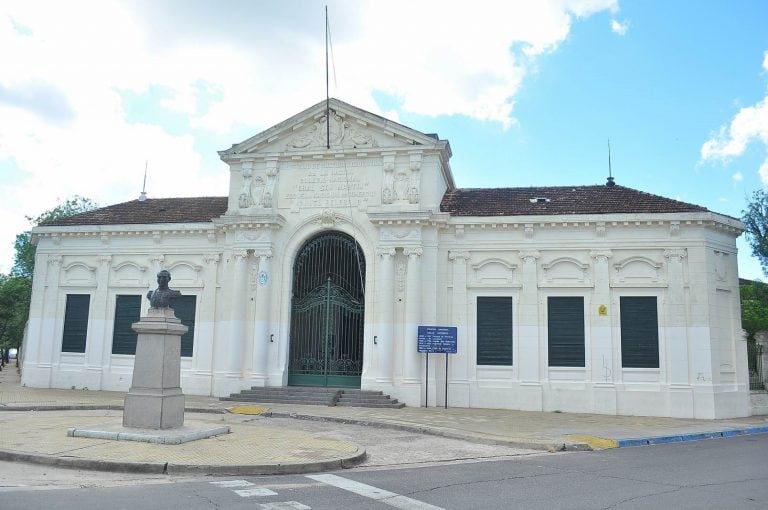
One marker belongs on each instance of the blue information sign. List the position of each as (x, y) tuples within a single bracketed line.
[(440, 339)]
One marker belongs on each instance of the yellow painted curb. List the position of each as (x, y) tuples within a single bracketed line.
[(596, 443), (246, 410)]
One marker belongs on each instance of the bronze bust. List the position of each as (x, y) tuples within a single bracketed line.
[(162, 297)]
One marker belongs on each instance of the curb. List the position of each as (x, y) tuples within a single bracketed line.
[(96, 407), (169, 468), (552, 446), (696, 436)]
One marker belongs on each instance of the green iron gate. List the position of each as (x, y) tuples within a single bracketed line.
[(327, 310)]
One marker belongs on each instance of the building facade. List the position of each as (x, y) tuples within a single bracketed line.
[(343, 232)]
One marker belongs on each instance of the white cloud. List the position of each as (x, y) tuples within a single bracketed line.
[(65, 129), (749, 125), (618, 27), (737, 177), (765, 61)]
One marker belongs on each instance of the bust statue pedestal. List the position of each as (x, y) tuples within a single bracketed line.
[(155, 400)]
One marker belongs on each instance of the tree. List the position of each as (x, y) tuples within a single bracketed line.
[(754, 308), (14, 310), (16, 288), (24, 259), (756, 220)]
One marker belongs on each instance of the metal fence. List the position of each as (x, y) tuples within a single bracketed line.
[(755, 360)]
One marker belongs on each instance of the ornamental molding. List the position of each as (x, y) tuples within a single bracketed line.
[(385, 252), (416, 252)]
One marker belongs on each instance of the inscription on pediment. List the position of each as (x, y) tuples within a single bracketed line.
[(330, 184)]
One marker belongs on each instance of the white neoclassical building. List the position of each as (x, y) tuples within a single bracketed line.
[(344, 231)]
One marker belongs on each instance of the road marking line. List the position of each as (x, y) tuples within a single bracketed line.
[(233, 483), (284, 505), (369, 491), (247, 493)]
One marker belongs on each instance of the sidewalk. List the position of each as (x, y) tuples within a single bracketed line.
[(33, 425)]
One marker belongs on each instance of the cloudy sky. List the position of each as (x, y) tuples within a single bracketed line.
[(527, 92)]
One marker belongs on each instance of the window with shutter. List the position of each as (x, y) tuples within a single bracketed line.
[(75, 323), (639, 332), (127, 311), (565, 323), (494, 330), (184, 307)]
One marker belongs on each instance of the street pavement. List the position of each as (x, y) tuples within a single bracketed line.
[(280, 438)]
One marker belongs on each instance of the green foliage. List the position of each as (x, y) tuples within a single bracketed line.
[(24, 258), (14, 309), (754, 308), (16, 288), (756, 220)]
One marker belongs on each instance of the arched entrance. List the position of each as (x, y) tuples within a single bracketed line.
[(327, 310)]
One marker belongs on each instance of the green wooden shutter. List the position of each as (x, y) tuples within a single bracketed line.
[(184, 307), (127, 311), (565, 322), (494, 331), (639, 332), (75, 323)]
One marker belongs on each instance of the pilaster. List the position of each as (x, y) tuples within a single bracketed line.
[(262, 326), (385, 300)]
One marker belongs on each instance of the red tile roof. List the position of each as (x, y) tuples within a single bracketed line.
[(152, 210), (558, 200)]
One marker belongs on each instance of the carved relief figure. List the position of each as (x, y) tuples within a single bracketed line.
[(258, 191), (245, 198), (401, 185)]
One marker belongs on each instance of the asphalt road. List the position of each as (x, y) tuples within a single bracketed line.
[(713, 474)]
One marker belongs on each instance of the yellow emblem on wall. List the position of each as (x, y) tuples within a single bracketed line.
[(602, 310)]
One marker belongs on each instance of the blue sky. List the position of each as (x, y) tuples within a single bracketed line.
[(527, 93)]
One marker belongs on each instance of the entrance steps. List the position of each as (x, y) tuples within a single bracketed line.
[(305, 395)]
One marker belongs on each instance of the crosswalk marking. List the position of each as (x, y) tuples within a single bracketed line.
[(233, 483), (369, 491), (247, 493), (284, 505)]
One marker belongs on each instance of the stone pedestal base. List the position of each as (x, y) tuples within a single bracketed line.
[(155, 400)]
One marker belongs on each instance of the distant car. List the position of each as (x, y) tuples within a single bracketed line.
[(12, 353)]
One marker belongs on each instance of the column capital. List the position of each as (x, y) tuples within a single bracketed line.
[(105, 260), (413, 252), (458, 255), (54, 260), (529, 256), (601, 255), (240, 254), (263, 253), (679, 253), (385, 252), (157, 258), (211, 258)]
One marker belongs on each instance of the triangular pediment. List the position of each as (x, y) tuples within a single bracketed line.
[(350, 128)]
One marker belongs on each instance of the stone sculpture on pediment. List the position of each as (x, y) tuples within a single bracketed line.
[(341, 134), (258, 191), (401, 185), (245, 199)]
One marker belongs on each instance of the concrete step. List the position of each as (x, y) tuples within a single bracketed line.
[(299, 401), (307, 395)]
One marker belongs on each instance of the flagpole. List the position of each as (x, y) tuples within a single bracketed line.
[(327, 99)]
